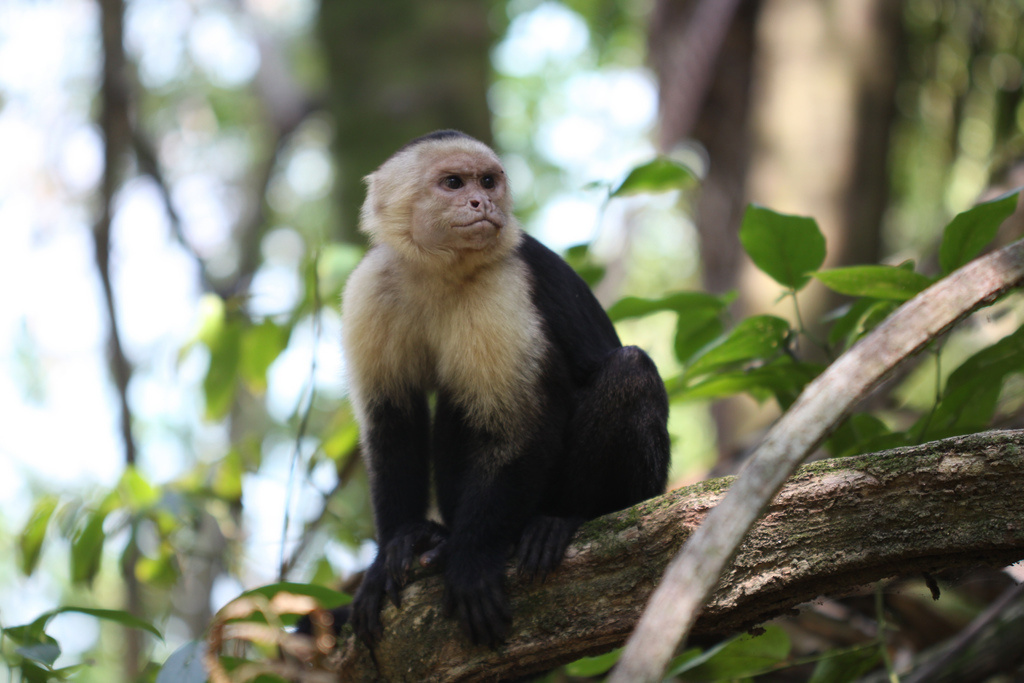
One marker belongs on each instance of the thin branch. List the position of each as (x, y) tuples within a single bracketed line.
[(114, 117), (692, 575)]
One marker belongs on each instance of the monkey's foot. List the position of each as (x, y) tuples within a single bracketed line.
[(543, 544)]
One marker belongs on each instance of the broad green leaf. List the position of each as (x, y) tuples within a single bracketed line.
[(185, 665), (859, 318), (694, 332), (137, 494), (325, 596), (30, 541), (44, 653), (579, 259), (739, 657), (158, 572), (588, 667), (853, 432), (660, 175), (971, 394), (212, 314), (227, 479), (341, 441), (969, 232), (788, 248), (87, 548), (261, 345), (782, 379), (878, 282), (221, 377), (680, 302), (115, 615), (34, 672), (757, 337), (846, 666)]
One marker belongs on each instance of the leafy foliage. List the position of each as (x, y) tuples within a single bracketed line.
[(764, 356)]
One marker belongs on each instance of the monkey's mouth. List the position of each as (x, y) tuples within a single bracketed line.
[(479, 224)]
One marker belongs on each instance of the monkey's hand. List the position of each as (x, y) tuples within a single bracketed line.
[(543, 544), (368, 600), (411, 541), (388, 573), (474, 593)]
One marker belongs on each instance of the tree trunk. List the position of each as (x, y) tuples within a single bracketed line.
[(399, 70)]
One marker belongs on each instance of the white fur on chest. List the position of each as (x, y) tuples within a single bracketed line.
[(478, 339)]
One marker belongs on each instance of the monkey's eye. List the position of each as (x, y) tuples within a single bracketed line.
[(453, 182), (488, 182)]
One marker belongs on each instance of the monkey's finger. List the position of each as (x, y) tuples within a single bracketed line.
[(435, 556), (397, 562), (366, 621), (394, 591)]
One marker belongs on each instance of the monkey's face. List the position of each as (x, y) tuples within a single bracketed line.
[(463, 204)]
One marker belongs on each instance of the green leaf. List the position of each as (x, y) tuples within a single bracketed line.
[(660, 175), (739, 657), (158, 572), (580, 259), (969, 232), (857, 430), (32, 672), (261, 345), (846, 666), (115, 615), (227, 479), (859, 318), (219, 385), (44, 652), (137, 494), (185, 665), (30, 541), (878, 282), (759, 337), (785, 247), (325, 596), (87, 548), (971, 394), (694, 332), (341, 440), (588, 667), (784, 379), (679, 302)]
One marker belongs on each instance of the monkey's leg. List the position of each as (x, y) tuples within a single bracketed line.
[(617, 455), (487, 491)]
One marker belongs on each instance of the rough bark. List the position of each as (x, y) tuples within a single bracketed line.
[(822, 405), (836, 525)]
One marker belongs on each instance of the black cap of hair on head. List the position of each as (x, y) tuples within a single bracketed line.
[(437, 135)]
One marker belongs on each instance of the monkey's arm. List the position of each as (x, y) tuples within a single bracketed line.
[(395, 443)]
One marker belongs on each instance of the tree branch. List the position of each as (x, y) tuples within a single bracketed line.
[(836, 525), (823, 404)]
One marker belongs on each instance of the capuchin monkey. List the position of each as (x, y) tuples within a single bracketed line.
[(541, 419)]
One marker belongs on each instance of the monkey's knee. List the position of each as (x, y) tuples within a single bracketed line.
[(628, 374)]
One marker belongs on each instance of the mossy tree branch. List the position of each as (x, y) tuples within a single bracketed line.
[(836, 525)]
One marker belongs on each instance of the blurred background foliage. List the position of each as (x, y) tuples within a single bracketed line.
[(179, 186)]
